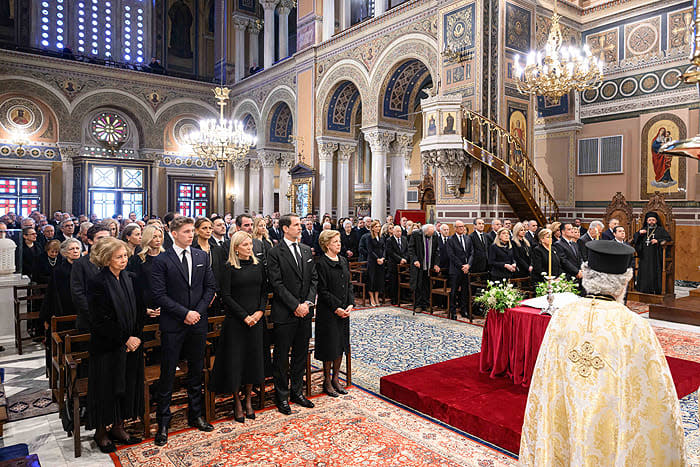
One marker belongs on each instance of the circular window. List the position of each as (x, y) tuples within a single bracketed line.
[(109, 128)]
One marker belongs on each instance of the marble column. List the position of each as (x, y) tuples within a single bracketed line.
[(240, 24), (155, 185), (326, 150), (239, 186), (68, 154), (345, 15), (253, 54), (400, 158), (269, 31), (328, 19), (254, 186), (379, 7), (220, 187), (283, 10), (345, 151), (267, 160), (379, 140), (286, 163)]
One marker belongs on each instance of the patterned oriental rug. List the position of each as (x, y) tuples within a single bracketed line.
[(352, 430)]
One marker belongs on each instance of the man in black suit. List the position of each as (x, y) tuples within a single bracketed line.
[(363, 226), (609, 234), (594, 230), (443, 235), (495, 227), (66, 230), (461, 256), (292, 277), (396, 253), (245, 223), (567, 251), (531, 234), (480, 246), (183, 286), (82, 270), (167, 238), (424, 255), (309, 236), (275, 232), (218, 232)]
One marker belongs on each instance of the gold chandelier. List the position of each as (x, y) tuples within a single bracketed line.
[(221, 140), (559, 69)]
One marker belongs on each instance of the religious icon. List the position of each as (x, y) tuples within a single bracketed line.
[(432, 127), (180, 29), (449, 127), (661, 162), (517, 126), (19, 116)]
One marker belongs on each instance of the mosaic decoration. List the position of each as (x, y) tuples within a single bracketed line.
[(281, 124), (247, 5), (604, 45), (643, 38), (679, 29), (249, 125), (549, 107), (518, 21), (155, 99), (634, 86), (542, 24), (109, 128), (340, 109), (183, 128), (458, 28), (662, 173), (35, 152), (178, 161), (18, 113), (401, 87)]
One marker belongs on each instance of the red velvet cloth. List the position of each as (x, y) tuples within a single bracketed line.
[(511, 342)]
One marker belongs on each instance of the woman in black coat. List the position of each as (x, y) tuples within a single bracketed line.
[(335, 301), (375, 264), (141, 264), (47, 261), (349, 243), (540, 258), (521, 251), (217, 258), (239, 354), (501, 259), (58, 301), (115, 373)]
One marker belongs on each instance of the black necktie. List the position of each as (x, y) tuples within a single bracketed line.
[(296, 254), (399, 242), (461, 240), (185, 266), (481, 239)]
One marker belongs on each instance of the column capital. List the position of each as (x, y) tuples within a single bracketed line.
[(283, 9), (69, 151), (241, 164), (254, 164), (267, 159), (451, 163), (240, 22), (254, 27), (379, 139), (269, 4), (403, 144), (326, 148), (286, 160), (345, 151)]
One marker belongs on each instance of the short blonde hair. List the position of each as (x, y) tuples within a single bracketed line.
[(109, 221), (102, 251), (325, 238), (147, 236), (236, 240), (497, 240), (543, 233)]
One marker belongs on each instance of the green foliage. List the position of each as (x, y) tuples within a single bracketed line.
[(560, 285), (499, 296)]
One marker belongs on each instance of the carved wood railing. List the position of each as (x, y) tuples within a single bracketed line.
[(498, 149)]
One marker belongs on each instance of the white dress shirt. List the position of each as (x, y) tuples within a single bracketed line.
[(188, 254)]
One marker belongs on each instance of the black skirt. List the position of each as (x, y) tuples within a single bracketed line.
[(239, 356), (332, 335)]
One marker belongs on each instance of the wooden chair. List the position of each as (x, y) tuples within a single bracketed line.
[(216, 324), (439, 286), (357, 271), (404, 281), (32, 297), (477, 280), (524, 284), (61, 326), (77, 385)]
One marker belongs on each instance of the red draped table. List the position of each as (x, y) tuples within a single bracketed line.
[(511, 342)]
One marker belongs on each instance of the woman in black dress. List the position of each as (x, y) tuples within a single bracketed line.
[(115, 370), (141, 264), (239, 354), (131, 235), (58, 300), (202, 240), (31, 250), (335, 301), (521, 251), (375, 263), (348, 241), (540, 258), (501, 260), (47, 261)]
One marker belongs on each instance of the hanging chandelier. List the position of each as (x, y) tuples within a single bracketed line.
[(220, 141), (559, 69)]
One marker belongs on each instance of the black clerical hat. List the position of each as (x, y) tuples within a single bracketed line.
[(609, 256)]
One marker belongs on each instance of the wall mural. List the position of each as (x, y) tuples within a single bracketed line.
[(662, 173), (181, 22), (517, 121), (518, 28)]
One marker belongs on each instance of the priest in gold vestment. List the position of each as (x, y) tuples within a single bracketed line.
[(602, 394)]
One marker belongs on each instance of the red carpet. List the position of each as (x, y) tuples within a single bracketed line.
[(456, 393)]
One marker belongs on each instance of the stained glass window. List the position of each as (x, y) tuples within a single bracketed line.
[(132, 202), (20, 195), (104, 177), (101, 27), (117, 190), (192, 199), (110, 128), (132, 178), (103, 203)]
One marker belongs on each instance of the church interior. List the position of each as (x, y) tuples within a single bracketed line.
[(421, 109)]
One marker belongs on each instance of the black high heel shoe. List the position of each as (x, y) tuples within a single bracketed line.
[(331, 392), (250, 415), (339, 388), (105, 448), (240, 419)]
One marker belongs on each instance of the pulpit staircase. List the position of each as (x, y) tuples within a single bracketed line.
[(498, 150)]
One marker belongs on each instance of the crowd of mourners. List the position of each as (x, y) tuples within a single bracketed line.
[(119, 274)]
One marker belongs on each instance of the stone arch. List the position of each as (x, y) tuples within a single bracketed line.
[(134, 138), (281, 93), (54, 102), (171, 108), (345, 70), (341, 110), (280, 125), (271, 110), (141, 117), (412, 48), (247, 107)]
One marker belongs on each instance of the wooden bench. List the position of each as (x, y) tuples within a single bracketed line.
[(32, 297), (61, 326), (404, 281), (77, 385), (216, 324), (357, 271), (439, 286)]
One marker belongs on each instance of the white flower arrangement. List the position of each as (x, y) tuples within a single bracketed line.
[(499, 296)]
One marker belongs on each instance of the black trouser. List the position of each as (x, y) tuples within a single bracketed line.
[(393, 283), (292, 336), (422, 291), (459, 283), (192, 345)]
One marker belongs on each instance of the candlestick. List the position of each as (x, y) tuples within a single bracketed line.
[(550, 261)]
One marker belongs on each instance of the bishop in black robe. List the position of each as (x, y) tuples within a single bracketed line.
[(648, 242)]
